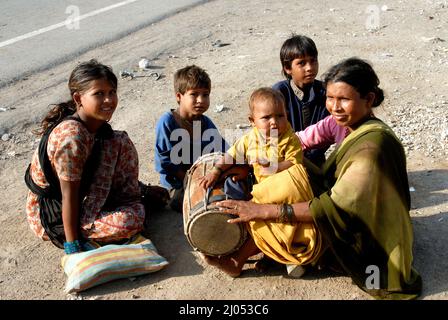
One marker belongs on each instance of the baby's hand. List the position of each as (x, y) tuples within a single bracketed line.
[(209, 180)]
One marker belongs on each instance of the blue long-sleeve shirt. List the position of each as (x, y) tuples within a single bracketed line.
[(176, 150), (315, 101)]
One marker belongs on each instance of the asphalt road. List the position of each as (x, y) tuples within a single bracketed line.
[(36, 35)]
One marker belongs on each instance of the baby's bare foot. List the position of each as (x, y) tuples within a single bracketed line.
[(225, 264)]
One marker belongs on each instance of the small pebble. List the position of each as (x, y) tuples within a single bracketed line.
[(144, 64)]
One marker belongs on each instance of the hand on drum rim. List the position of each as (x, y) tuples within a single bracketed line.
[(231, 207), (208, 181)]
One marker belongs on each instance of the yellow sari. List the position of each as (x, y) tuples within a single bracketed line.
[(287, 243)]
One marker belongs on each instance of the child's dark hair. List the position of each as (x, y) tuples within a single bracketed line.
[(79, 81), (297, 46), (359, 74), (191, 77), (266, 94)]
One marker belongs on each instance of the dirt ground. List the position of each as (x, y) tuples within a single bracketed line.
[(404, 40)]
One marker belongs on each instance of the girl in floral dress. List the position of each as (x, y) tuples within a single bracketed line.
[(108, 208)]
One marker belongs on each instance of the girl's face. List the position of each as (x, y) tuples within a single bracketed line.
[(267, 116), (346, 105), (303, 70), (98, 103)]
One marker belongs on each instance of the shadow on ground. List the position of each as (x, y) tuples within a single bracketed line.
[(430, 221), (431, 252), (431, 188)]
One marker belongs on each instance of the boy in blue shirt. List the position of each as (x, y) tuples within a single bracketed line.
[(184, 134), (304, 95)]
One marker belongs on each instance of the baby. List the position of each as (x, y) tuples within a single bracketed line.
[(270, 147)]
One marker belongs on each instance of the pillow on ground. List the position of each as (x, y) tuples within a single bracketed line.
[(94, 267)]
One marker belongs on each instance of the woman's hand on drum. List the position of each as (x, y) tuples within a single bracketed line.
[(245, 210)]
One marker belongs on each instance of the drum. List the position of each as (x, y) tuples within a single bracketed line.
[(205, 227)]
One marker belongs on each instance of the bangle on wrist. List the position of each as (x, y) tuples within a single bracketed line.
[(290, 213), (72, 247), (285, 213), (281, 214)]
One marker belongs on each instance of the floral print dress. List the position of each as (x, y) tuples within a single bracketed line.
[(111, 209)]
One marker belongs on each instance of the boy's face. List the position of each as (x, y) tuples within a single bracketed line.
[(193, 103), (303, 70), (267, 116)]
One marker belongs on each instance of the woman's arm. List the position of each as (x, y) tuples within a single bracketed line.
[(70, 209), (249, 211), (302, 212)]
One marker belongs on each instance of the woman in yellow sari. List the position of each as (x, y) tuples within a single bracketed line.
[(361, 195)]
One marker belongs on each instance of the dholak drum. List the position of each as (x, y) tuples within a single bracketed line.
[(206, 228)]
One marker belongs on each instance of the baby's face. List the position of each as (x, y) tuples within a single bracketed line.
[(269, 118)]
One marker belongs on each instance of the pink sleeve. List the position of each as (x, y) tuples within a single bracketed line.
[(322, 134)]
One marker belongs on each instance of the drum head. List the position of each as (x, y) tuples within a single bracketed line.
[(211, 234)]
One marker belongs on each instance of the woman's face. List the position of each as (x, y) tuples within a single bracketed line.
[(346, 105)]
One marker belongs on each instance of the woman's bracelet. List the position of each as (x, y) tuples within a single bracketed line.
[(72, 247), (285, 213), (282, 216), (290, 213)]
